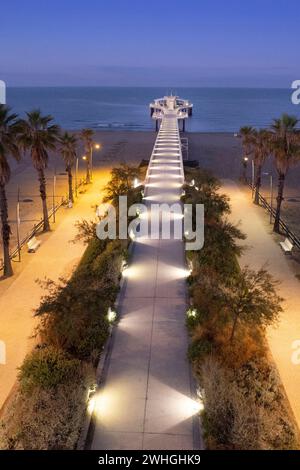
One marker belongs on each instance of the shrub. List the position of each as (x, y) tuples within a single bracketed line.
[(235, 416), (45, 419), (245, 406), (73, 318), (198, 349), (48, 367)]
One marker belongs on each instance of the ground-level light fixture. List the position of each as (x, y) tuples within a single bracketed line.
[(111, 315), (132, 234), (191, 313), (91, 398), (124, 265), (136, 183)]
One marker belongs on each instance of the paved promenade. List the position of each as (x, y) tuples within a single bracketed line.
[(263, 248), (56, 257), (146, 398)]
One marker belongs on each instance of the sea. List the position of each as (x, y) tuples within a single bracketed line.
[(127, 108)]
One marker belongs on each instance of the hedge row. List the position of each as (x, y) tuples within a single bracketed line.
[(244, 403), (48, 409)]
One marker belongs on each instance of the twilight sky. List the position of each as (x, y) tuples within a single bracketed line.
[(150, 42)]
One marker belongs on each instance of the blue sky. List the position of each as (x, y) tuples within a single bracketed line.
[(150, 42)]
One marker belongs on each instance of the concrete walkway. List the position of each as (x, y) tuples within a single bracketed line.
[(145, 401), (55, 258), (263, 248)]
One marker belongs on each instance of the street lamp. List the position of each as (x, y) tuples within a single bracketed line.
[(88, 170), (96, 147), (54, 195), (76, 176), (245, 164), (252, 176)]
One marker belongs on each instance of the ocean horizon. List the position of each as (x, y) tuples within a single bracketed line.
[(127, 108)]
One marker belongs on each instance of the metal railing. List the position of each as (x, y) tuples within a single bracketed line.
[(185, 148), (272, 211), (37, 227)]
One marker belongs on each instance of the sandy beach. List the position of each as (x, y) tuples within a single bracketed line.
[(219, 152)]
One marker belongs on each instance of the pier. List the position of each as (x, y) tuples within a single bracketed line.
[(147, 398), (179, 108)]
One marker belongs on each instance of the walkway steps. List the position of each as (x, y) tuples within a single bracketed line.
[(146, 398)]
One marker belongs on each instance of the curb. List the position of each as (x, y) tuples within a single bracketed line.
[(86, 433)]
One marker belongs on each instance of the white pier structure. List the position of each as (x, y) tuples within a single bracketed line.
[(147, 396), (166, 163), (171, 104)]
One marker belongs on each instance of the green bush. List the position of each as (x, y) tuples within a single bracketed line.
[(73, 318), (47, 410), (47, 368), (198, 349), (93, 249), (245, 407)]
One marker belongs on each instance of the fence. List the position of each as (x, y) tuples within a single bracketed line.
[(37, 227), (283, 226)]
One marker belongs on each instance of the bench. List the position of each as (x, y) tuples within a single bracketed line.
[(33, 245), (287, 245)]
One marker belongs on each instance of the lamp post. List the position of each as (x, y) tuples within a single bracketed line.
[(53, 198), (18, 224), (76, 176), (271, 191), (252, 176), (245, 164), (84, 158), (96, 147)]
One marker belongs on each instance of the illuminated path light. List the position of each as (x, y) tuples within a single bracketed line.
[(147, 401)]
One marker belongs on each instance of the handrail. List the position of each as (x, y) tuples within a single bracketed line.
[(36, 228), (264, 203)]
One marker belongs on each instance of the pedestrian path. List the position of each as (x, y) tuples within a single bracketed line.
[(265, 250), (146, 398)]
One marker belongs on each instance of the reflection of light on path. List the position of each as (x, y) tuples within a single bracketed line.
[(164, 414), (169, 175), (164, 160)]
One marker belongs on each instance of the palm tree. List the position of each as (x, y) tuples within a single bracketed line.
[(39, 135), (86, 135), (8, 146), (68, 144), (285, 147), (246, 134), (261, 150)]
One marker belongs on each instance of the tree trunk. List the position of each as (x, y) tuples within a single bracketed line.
[(279, 199), (70, 182), (42, 180), (88, 166), (234, 327), (8, 271), (257, 184), (244, 177)]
